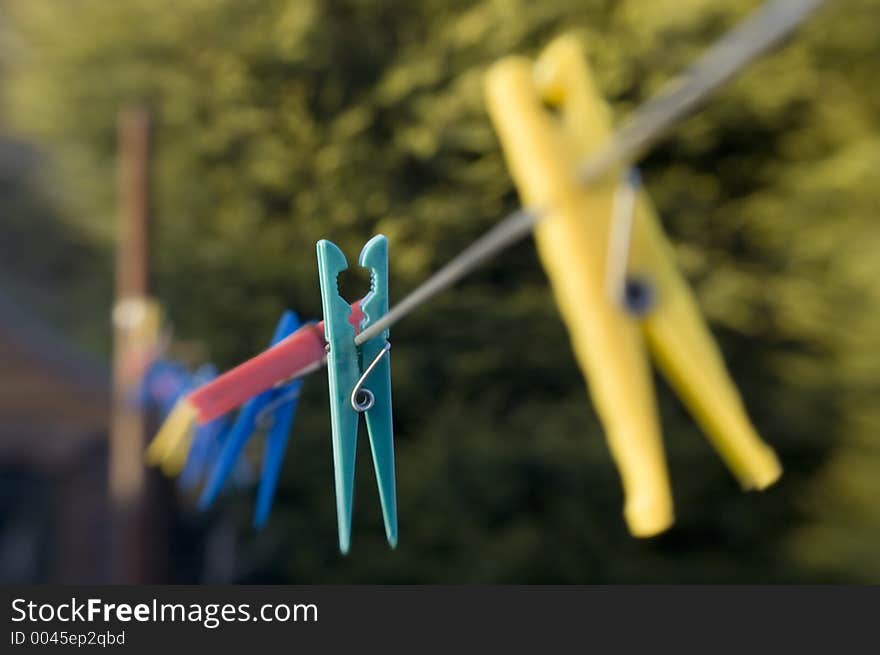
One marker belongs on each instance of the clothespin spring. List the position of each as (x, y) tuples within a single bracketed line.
[(363, 399), (636, 294)]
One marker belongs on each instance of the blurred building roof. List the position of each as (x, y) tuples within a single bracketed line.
[(54, 398)]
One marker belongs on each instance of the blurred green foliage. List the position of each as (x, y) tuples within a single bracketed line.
[(285, 121)]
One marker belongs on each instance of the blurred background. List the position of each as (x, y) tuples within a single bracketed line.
[(280, 122)]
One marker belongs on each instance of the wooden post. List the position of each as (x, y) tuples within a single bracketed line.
[(136, 333)]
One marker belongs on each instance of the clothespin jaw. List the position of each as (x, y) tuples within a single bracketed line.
[(346, 364), (543, 152)]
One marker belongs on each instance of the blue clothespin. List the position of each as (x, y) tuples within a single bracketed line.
[(203, 448), (349, 368), (276, 443), (203, 452), (280, 403)]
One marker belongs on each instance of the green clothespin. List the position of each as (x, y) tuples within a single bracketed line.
[(360, 382)]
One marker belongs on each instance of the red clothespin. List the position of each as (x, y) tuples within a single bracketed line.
[(300, 353)]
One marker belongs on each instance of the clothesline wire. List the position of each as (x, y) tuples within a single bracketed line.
[(749, 39)]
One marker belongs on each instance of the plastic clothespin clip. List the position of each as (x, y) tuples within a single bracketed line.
[(360, 382), (170, 448), (543, 152), (282, 401), (302, 352)]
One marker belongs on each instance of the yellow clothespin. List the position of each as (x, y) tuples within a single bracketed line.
[(543, 151), (170, 446)]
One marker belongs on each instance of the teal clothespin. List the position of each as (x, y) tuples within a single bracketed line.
[(360, 382)]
